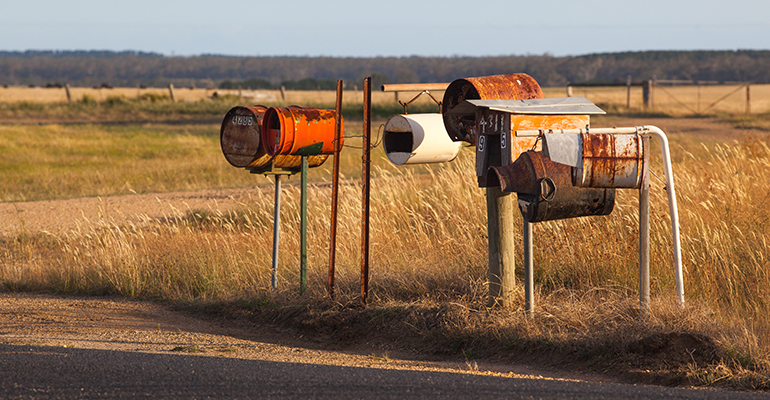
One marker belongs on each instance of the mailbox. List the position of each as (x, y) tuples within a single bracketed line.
[(499, 126), (241, 140), (545, 191), (418, 139), (600, 159), (298, 131), (240, 134)]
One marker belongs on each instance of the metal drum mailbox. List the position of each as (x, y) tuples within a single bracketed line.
[(461, 126), (418, 139), (600, 160), (240, 135), (298, 131), (545, 190), (503, 127)]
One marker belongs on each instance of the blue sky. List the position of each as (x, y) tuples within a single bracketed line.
[(350, 28)]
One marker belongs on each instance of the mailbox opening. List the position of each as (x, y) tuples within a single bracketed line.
[(418, 139)]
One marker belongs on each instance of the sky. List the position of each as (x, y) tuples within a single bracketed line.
[(360, 28)]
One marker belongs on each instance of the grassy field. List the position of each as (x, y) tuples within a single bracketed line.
[(428, 248)]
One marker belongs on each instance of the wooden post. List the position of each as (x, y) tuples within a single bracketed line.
[(569, 91), (171, 92), (500, 209), (748, 98), (283, 92), (628, 92), (67, 90), (647, 94)]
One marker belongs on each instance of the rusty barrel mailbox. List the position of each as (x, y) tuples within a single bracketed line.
[(461, 125), (240, 138), (298, 131), (600, 159), (545, 190), (418, 139)]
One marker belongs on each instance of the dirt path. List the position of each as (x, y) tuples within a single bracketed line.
[(120, 324)]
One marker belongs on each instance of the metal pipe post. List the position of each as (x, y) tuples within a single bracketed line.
[(529, 271), (644, 246), (366, 190), (276, 228), (335, 187), (303, 229)]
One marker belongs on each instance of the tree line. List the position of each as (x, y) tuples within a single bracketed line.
[(132, 69)]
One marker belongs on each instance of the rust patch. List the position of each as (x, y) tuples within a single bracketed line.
[(495, 87)]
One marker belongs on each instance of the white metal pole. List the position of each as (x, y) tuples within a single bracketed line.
[(667, 169)]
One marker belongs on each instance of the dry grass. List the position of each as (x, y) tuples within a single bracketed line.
[(428, 264)]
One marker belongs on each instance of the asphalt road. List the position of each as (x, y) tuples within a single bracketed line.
[(66, 373)]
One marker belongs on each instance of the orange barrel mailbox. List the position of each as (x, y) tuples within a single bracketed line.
[(298, 131), (241, 140), (461, 126)]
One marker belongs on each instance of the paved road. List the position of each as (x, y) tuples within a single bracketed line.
[(67, 373)]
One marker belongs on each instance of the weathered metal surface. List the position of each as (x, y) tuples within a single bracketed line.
[(550, 106), (610, 161), (545, 190), (461, 126), (335, 190), (418, 139), (521, 144), (414, 87), (240, 135), (298, 131), (366, 189)]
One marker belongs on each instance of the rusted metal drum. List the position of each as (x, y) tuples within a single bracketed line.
[(298, 131), (545, 190), (418, 139), (240, 139), (240, 135), (460, 127), (611, 161)]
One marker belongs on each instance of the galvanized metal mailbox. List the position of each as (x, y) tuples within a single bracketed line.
[(418, 139), (298, 131)]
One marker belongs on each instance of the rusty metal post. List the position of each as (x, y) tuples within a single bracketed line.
[(365, 198), (529, 271), (335, 187), (276, 228)]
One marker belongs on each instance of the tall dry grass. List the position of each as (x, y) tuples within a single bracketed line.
[(428, 248)]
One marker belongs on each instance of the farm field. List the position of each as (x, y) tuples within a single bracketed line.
[(139, 221)]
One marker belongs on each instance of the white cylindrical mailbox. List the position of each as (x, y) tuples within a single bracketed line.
[(418, 139)]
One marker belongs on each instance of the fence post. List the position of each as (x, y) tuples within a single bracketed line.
[(569, 90), (628, 92), (67, 89), (748, 98), (647, 94), (171, 92)]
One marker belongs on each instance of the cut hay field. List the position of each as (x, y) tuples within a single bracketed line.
[(428, 248)]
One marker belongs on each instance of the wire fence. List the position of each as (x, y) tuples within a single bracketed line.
[(677, 99)]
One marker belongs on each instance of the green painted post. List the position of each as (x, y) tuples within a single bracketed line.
[(303, 229)]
